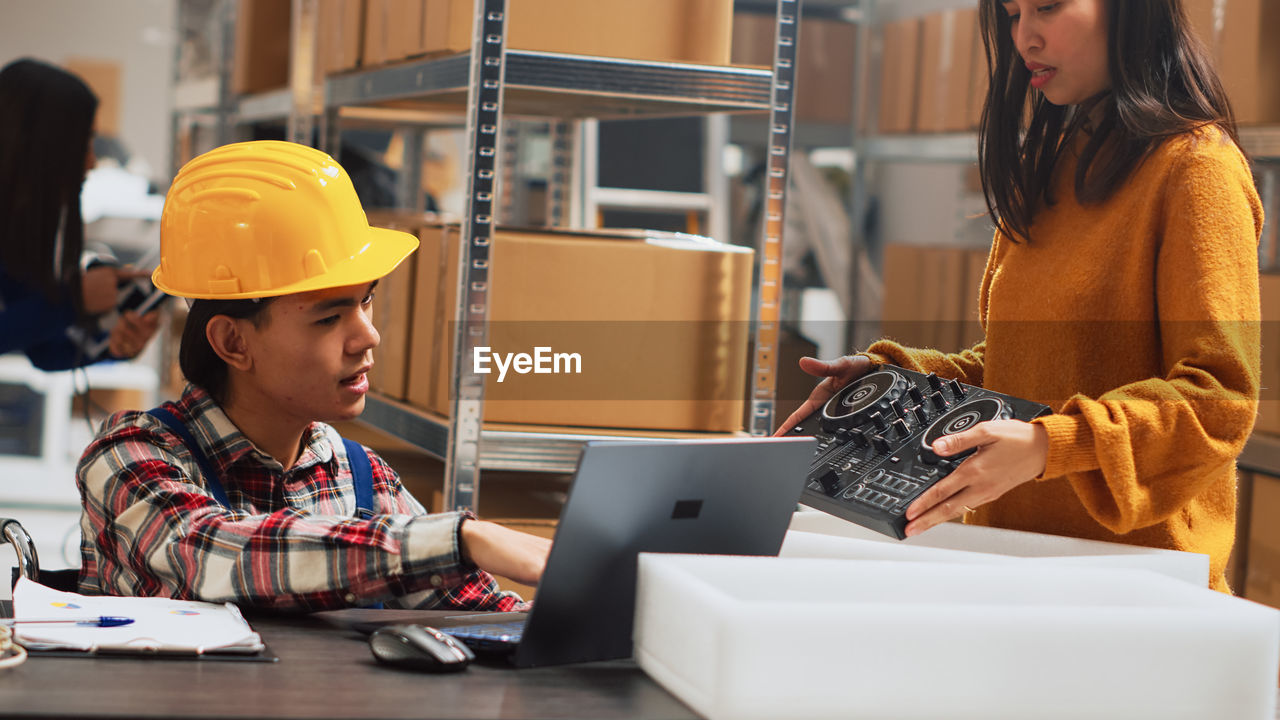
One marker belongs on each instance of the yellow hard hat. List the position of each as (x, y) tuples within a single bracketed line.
[(268, 218)]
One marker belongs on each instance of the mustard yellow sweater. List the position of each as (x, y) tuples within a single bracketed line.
[(1137, 321)]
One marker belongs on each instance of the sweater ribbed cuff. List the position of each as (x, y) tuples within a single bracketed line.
[(1070, 446), (876, 358)]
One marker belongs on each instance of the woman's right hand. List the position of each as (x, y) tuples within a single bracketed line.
[(837, 374), (99, 287)]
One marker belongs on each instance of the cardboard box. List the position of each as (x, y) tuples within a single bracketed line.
[(341, 35), (103, 402), (1269, 404), (1240, 34), (978, 82), (994, 641), (658, 325), (824, 67), (393, 317), (971, 324), (926, 296), (1262, 571), (692, 31), (393, 309), (900, 76), (401, 27), (377, 41), (946, 70), (262, 44), (103, 77)]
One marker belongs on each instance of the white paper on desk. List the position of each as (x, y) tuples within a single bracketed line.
[(159, 624)]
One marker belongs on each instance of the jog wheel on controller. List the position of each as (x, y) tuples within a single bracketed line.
[(959, 419), (869, 394)]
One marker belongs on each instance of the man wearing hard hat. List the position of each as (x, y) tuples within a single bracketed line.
[(239, 491)]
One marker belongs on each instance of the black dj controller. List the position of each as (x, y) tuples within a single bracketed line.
[(874, 439)]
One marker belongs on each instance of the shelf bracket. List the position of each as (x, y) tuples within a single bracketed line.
[(769, 256), (484, 118)]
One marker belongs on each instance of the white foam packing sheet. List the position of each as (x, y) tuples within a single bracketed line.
[(809, 638), (954, 542)]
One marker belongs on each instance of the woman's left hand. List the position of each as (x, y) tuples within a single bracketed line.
[(1010, 452), (131, 333)]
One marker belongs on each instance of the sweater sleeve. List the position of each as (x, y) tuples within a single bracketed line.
[(965, 366), (46, 332), (1138, 453)]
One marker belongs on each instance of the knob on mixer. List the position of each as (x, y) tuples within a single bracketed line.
[(900, 429), (937, 400)]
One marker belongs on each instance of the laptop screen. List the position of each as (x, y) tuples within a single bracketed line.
[(729, 496)]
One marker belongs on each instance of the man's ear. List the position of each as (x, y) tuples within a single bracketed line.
[(225, 337)]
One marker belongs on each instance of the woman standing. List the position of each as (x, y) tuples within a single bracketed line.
[(1121, 289), (46, 133)]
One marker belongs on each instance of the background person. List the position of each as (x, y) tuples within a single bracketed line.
[(270, 239), (1121, 289), (46, 131)]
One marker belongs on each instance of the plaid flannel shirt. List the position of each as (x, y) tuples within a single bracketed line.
[(290, 539)]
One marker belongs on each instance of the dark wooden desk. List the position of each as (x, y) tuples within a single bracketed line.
[(323, 672)]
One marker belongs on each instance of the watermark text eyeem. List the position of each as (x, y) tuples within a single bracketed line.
[(543, 361)]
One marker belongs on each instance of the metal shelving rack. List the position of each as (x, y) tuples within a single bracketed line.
[(491, 82)]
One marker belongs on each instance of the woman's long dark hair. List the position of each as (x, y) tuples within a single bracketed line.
[(46, 125), (1163, 83)]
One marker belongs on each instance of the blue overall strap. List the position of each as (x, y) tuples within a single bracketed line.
[(361, 477), (210, 476)]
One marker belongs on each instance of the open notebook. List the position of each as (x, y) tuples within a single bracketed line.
[(160, 625)]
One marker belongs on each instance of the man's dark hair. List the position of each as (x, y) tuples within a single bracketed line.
[(46, 124), (1163, 83), (199, 363)]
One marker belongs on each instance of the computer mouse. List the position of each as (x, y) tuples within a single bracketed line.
[(419, 647)]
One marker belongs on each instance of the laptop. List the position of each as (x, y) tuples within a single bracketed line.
[(723, 497)]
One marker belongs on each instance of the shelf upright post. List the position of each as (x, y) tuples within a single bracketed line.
[(409, 193), (226, 41), (514, 201), (715, 182), (865, 117), (303, 89), (560, 179), (1269, 248), (484, 117), (769, 256)]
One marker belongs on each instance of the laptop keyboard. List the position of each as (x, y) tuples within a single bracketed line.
[(491, 637)]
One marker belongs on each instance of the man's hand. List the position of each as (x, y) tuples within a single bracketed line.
[(502, 551), (1010, 452), (837, 374)]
